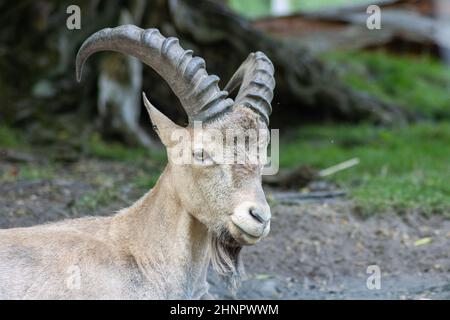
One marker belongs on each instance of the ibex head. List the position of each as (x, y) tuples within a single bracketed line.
[(227, 197)]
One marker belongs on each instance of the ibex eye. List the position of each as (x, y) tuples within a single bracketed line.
[(201, 157)]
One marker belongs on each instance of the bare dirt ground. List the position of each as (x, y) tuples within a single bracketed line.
[(316, 249)]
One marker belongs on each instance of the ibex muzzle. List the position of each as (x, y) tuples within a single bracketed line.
[(199, 212)]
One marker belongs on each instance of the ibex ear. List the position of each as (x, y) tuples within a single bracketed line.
[(161, 124)]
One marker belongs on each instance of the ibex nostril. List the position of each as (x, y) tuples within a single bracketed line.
[(257, 214)]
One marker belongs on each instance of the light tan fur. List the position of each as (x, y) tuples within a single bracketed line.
[(159, 248)]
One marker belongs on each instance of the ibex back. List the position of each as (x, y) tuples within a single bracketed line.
[(198, 213)]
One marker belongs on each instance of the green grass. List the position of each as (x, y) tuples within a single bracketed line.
[(400, 168), (29, 172), (145, 182), (261, 8), (419, 83), (98, 148), (9, 138), (251, 8), (150, 163), (93, 200), (305, 5), (95, 147), (12, 139)]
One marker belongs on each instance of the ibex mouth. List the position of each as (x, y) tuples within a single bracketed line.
[(245, 233), (242, 236)]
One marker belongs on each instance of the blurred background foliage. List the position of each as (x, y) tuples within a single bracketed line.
[(404, 162), (263, 8)]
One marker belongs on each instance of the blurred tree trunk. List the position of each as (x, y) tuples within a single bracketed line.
[(120, 89), (38, 88)]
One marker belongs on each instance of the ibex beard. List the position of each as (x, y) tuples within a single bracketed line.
[(197, 214)]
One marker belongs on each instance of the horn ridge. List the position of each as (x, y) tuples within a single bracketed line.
[(185, 74), (256, 82)]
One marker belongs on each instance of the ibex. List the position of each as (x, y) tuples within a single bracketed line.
[(197, 214)]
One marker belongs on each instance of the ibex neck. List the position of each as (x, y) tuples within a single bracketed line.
[(168, 242)]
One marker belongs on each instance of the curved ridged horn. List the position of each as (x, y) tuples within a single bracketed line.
[(256, 79), (197, 91)]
